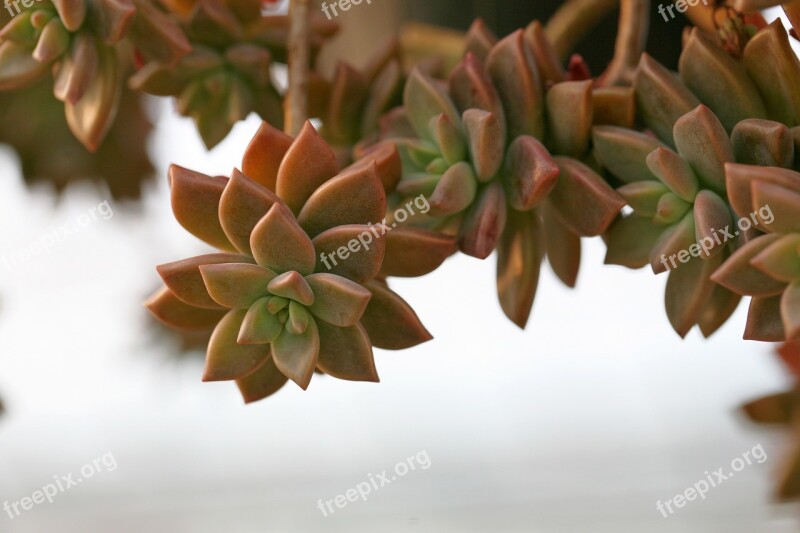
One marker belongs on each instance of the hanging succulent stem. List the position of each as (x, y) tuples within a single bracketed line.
[(634, 22), (573, 20), (296, 103), (792, 10)]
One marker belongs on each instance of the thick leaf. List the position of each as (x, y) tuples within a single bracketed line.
[(236, 285), (293, 286), (354, 252), (296, 355), (790, 311), (643, 196), (740, 276), (764, 320), (353, 197), (387, 160), (570, 117), (480, 39), (624, 152), (670, 209), (265, 381), (167, 308), (689, 291), (390, 321), (413, 252), (264, 154), (484, 222), (346, 353), (563, 246), (455, 191), (423, 100), (782, 206), (486, 142), (674, 172), (226, 359), (704, 144), (763, 142), (183, 278), (450, 139), (719, 309), (156, 35), (242, 205), (280, 244), (530, 173), (348, 94), (630, 240), (739, 179), (71, 12), (547, 60), (309, 162), (519, 257), (472, 88), (674, 240), (711, 213), (195, 204), (53, 42), (259, 326), (614, 106), (337, 300), (781, 259)]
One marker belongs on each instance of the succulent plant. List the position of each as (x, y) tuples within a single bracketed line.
[(226, 76), (277, 310), (479, 149), (85, 43), (784, 409), (718, 112), (120, 163)]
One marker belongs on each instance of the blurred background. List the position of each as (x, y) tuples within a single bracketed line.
[(583, 422)]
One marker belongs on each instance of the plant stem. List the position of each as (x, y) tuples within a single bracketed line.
[(573, 20), (296, 103), (634, 22)]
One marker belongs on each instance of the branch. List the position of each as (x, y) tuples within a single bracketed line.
[(296, 103), (634, 22), (573, 20)]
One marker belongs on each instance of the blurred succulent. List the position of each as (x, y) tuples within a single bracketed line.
[(49, 153), (227, 75), (791, 8), (479, 149), (678, 184), (784, 409), (85, 44), (277, 310)]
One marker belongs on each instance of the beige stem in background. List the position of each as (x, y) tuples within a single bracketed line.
[(634, 23), (573, 20), (296, 102)]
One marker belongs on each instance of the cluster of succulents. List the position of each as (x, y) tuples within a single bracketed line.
[(724, 128)]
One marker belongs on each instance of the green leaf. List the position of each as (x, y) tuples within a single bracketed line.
[(226, 359)]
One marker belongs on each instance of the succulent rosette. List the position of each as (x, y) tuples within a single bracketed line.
[(226, 76), (278, 312), (717, 113), (480, 146), (783, 409), (85, 43)]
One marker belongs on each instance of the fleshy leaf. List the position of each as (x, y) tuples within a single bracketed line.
[(689, 290), (711, 213), (346, 352), (412, 252), (790, 311), (781, 259), (740, 276), (519, 257), (486, 142), (570, 117), (630, 240), (614, 106), (195, 204), (264, 382), (167, 308), (242, 205), (624, 152), (530, 173), (259, 326), (354, 252), (704, 144), (337, 300), (183, 278), (719, 309), (739, 179), (472, 88), (236, 285), (280, 244), (455, 191), (674, 172), (783, 205), (390, 321), (763, 142), (226, 359), (264, 154), (423, 100), (643, 196), (293, 286), (296, 355), (675, 239), (764, 320), (484, 222)]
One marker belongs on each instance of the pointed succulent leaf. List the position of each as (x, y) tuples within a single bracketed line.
[(157, 35), (449, 139), (719, 80), (355, 196), (512, 67), (455, 190), (778, 78), (280, 244), (113, 19), (661, 97), (167, 308), (264, 382), (236, 285), (480, 39), (674, 240), (703, 143), (337, 300), (763, 142), (226, 359), (195, 204), (80, 68), (764, 322), (562, 245), (423, 100), (308, 163), (418, 183), (630, 239), (53, 42), (296, 355), (790, 311), (614, 106), (242, 205), (530, 173), (264, 154), (519, 257), (350, 251), (569, 118), (387, 161), (413, 252), (348, 93), (774, 409), (298, 319), (740, 178), (259, 325), (781, 259), (390, 321), (486, 142), (586, 203), (643, 196), (718, 310), (783, 205), (346, 352), (292, 285), (484, 222), (185, 281), (20, 30), (670, 209), (674, 172), (383, 92), (547, 59), (711, 213), (740, 276), (624, 152), (276, 304), (472, 88), (689, 291), (71, 12)]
